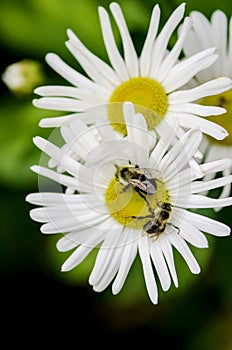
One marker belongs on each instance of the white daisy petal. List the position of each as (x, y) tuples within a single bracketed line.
[(68, 73), (91, 218), (161, 147), (186, 70), (102, 67), (58, 90), (79, 237), (183, 178), (199, 186), (65, 244), (139, 153), (68, 163), (59, 103), (206, 126), (147, 269), (227, 187), (131, 58), (79, 138), (160, 266), (179, 243), (198, 201), (128, 257), (173, 55), (219, 24), (57, 121), (168, 254), (108, 276), (108, 249), (203, 28), (192, 235), (179, 155), (112, 264), (89, 67), (111, 270), (205, 224), (137, 135), (160, 46), (129, 112), (192, 45), (59, 199), (146, 54), (77, 209), (73, 239), (142, 141), (215, 166), (213, 87), (111, 47), (85, 184), (80, 253), (76, 258), (197, 109), (201, 39)]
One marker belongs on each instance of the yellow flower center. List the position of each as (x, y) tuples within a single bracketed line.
[(124, 205), (148, 96), (225, 120)]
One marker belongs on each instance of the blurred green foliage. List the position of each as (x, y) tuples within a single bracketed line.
[(197, 315)]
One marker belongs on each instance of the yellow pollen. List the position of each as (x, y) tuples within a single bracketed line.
[(148, 96), (225, 120), (122, 205)]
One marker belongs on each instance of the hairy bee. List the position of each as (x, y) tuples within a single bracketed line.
[(154, 227), (143, 180)]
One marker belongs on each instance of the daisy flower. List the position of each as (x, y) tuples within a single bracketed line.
[(206, 33), (128, 200), (152, 81)]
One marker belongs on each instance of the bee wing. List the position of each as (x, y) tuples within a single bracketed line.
[(150, 185), (152, 173), (152, 176)]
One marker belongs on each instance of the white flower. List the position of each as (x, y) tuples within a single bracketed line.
[(104, 212), (22, 77), (206, 33), (152, 81)]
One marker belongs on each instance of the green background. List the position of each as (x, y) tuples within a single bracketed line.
[(39, 301)]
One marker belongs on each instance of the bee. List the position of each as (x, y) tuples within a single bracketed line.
[(143, 180), (159, 220)]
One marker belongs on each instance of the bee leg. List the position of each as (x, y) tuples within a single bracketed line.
[(159, 204), (176, 227), (154, 237), (145, 198), (125, 188), (141, 217)]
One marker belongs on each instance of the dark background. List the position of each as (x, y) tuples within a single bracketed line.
[(39, 304)]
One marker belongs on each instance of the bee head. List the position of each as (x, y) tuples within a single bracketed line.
[(165, 206), (124, 172)]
